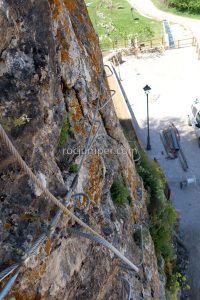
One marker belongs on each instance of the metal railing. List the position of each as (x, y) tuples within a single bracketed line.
[(128, 42), (125, 43)]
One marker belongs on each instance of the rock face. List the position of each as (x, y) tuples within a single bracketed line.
[(51, 79)]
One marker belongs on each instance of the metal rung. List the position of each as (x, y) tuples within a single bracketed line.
[(78, 195), (109, 70)]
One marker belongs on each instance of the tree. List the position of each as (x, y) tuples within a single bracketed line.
[(192, 6)]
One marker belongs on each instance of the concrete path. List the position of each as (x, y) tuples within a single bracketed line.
[(174, 79), (148, 9)]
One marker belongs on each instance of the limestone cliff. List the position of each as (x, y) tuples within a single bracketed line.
[(51, 77)]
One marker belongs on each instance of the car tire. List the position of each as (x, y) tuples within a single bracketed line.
[(189, 122)]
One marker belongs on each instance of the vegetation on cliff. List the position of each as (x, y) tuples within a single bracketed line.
[(119, 192), (162, 215)]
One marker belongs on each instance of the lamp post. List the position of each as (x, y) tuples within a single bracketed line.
[(147, 90)]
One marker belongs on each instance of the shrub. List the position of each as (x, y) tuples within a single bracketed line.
[(162, 217), (73, 168), (161, 228), (162, 213), (192, 6), (175, 282), (119, 192)]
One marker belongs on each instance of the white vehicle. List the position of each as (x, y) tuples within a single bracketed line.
[(194, 118)]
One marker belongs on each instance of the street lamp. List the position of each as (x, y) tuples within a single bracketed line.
[(147, 90)]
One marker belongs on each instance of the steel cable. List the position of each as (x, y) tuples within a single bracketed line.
[(8, 271), (127, 287), (141, 245), (36, 181), (111, 96), (8, 285), (62, 207), (103, 242)]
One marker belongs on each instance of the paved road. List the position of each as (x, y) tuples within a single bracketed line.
[(148, 9), (174, 79)]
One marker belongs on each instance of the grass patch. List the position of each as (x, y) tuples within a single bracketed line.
[(174, 10), (118, 21), (119, 192), (73, 168), (65, 130)]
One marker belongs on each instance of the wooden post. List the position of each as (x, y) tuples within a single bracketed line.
[(151, 44), (178, 43), (199, 54)]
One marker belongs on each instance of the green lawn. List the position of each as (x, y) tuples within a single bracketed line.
[(173, 10), (114, 19)]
